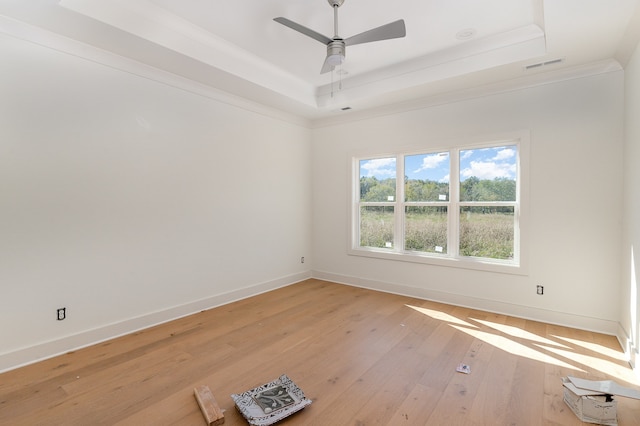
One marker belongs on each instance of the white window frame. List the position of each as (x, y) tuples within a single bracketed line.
[(518, 265)]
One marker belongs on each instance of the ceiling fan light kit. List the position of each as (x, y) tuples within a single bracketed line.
[(336, 46), (335, 53)]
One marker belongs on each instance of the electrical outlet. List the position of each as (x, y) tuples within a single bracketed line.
[(540, 289), (302, 259), (62, 313)]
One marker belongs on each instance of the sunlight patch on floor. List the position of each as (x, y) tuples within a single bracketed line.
[(519, 333), (441, 316), (611, 353), (515, 348), (607, 367)]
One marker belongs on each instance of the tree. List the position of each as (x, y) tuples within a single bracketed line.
[(468, 190), (374, 190)]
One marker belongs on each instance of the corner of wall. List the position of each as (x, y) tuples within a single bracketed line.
[(53, 348)]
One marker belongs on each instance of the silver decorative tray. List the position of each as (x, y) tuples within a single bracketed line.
[(271, 402)]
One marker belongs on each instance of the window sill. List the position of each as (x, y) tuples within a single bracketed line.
[(478, 264)]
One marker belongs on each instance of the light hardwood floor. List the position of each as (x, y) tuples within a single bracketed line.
[(363, 357)]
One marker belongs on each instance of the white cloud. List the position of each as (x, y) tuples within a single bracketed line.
[(466, 154), (505, 154), (431, 162), (489, 170), (379, 167)]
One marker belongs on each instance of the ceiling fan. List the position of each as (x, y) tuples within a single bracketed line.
[(336, 46)]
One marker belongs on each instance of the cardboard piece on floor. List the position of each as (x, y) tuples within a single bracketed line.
[(592, 401), (605, 386), (209, 406)]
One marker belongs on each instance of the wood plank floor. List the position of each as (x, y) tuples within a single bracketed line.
[(363, 357)]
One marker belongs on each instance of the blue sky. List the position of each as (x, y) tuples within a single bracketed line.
[(484, 163)]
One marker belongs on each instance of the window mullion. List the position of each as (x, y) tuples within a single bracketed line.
[(454, 200), (400, 205)]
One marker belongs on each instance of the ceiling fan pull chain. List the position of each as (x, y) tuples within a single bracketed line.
[(332, 84)]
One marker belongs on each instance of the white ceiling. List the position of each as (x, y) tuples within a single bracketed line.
[(235, 46)]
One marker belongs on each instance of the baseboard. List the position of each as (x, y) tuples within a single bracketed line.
[(630, 351), (45, 350), (520, 311), (35, 353)]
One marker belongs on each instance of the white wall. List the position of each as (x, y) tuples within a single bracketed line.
[(630, 300), (576, 159), (130, 202)]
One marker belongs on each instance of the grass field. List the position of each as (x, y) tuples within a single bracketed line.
[(482, 234)]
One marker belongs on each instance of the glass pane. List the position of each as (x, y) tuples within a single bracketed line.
[(376, 226), (487, 232), (427, 177), (488, 174), (378, 180), (426, 229)]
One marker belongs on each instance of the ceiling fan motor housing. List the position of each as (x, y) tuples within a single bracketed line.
[(335, 3), (336, 52)]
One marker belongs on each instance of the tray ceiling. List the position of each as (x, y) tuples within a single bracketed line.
[(237, 48)]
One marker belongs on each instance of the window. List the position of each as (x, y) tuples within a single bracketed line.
[(459, 206)]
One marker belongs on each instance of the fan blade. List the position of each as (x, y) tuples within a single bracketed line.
[(304, 30), (326, 67), (394, 29)]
